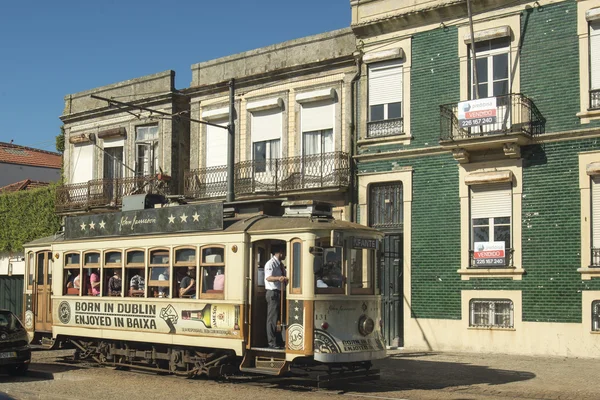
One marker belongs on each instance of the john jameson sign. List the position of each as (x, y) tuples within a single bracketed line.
[(199, 217)]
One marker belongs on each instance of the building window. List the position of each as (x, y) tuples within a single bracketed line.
[(595, 182), (385, 98), (386, 206), (265, 153), (216, 144), (146, 138), (491, 215), (488, 313), (594, 33), (492, 68), (596, 316)]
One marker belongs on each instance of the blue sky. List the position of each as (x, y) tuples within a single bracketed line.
[(49, 49)]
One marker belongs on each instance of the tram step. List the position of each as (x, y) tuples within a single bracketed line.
[(261, 371)]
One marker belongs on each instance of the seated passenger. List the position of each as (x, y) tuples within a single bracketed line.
[(114, 283), (219, 282), (77, 282), (162, 290), (188, 284), (95, 282), (137, 285)]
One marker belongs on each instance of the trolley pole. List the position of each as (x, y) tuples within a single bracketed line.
[(231, 143)]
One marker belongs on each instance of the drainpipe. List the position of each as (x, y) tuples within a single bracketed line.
[(354, 132), (231, 143)]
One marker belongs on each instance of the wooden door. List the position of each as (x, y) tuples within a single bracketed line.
[(43, 292)]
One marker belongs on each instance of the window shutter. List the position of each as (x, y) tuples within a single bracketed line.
[(83, 163), (216, 145), (491, 201), (596, 211), (595, 55), (317, 115), (266, 125), (385, 82)]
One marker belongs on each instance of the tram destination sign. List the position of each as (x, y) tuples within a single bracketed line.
[(185, 218), (364, 243)]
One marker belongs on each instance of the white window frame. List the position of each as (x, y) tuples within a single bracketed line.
[(596, 316), (492, 168), (594, 62), (150, 145), (589, 169), (491, 313), (587, 11), (389, 65), (489, 56)]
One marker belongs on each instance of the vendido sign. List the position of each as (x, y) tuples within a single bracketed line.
[(477, 112), (186, 218)]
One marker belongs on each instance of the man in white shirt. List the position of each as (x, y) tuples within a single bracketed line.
[(274, 282)]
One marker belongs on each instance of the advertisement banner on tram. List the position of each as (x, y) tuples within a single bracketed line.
[(195, 319)]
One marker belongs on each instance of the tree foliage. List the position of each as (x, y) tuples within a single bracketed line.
[(60, 140), (25, 216)]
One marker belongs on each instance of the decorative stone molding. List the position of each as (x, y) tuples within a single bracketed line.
[(592, 168), (267, 104), (218, 113), (112, 133), (592, 14), (461, 155), (512, 150), (316, 95), (81, 138), (383, 55), (488, 34), (482, 178)]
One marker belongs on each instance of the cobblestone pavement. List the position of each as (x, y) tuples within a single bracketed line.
[(404, 375)]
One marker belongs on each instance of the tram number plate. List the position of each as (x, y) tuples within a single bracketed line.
[(8, 354)]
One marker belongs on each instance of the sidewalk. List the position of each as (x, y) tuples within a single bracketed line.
[(477, 376)]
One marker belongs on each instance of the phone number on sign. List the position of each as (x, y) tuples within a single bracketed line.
[(490, 261), (477, 121)]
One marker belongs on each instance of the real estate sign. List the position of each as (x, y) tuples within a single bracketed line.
[(490, 254), (477, 112)]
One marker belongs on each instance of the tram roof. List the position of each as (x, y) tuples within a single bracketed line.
[(44, 241), (270, 223)]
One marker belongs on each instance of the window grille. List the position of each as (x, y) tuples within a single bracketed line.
[(491, 313), (386, 206), (596, 315)]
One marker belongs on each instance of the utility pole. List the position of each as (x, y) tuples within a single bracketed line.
[(473, 56), (231, 143)]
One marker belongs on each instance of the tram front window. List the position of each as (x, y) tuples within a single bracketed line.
[(328, 269), (362, 266)]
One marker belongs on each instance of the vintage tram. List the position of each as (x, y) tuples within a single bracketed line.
[(330, 316)]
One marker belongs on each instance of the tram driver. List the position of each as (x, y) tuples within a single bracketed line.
[(275, 280)]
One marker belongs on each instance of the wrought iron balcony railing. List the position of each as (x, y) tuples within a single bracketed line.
[(508, 260), (595, 99), (388, 127), (516, 114), (317, 171), (595, 262), (105, 192)]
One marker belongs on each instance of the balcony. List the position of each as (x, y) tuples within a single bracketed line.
[(595, 99), (105, 193), (390, 127), (518, 121), (272, 177)]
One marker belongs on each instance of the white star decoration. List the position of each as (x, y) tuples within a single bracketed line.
[(92, 225), (102, 224), (296, 317), (196, 217), (296, 309), (184, 218), (171, 219), (82, 226)]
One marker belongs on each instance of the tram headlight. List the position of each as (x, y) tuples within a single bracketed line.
[(366, 325)]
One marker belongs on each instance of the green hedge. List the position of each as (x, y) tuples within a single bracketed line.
[(25, 216)]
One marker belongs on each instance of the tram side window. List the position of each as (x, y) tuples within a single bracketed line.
[(113, 272), (184, 270), (72, 274), (135, 273), (328, 269), (31, 269), (91, 273), (158, 283), (212, 272), (296, 262), (362, 266)]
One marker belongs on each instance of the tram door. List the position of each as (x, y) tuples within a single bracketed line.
[(42, 291), (261, 253)]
